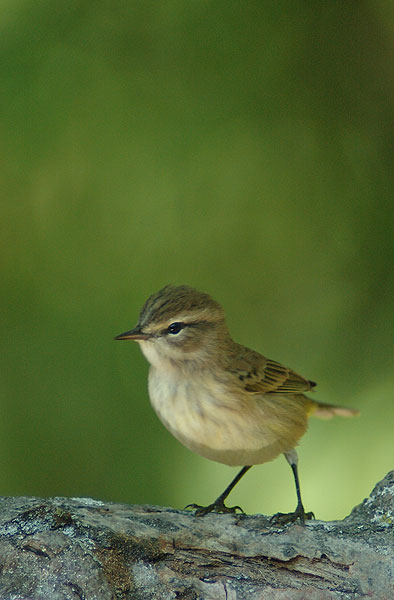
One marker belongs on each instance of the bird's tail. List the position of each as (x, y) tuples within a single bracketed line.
[(327, 411)]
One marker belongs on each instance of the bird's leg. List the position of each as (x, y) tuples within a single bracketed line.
[(219, 506), (299, 513)]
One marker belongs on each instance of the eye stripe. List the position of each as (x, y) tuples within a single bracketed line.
[(177, 326)]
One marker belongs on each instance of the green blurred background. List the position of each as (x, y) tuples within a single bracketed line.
[(241, 148)]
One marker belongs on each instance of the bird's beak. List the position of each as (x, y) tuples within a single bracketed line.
[(134, 334)]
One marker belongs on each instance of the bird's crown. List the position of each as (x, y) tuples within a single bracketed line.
[(179, 304)]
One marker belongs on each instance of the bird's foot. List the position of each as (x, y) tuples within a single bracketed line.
[(217, 506), (285, 518)]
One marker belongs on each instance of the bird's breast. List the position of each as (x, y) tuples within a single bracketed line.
[(205, 416)]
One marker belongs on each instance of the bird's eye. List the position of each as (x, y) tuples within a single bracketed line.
[(175, 328)]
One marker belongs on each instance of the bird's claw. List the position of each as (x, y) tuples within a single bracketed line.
[(217, 507), (285, 518)]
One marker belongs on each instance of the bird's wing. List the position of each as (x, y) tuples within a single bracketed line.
[(259, 375)]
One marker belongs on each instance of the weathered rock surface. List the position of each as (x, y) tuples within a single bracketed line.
[(78, 548)]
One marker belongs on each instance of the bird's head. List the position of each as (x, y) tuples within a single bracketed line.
[(179, 324)]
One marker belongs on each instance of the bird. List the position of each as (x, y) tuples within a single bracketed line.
[(220, 399)]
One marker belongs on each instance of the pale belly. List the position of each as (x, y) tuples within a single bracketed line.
[(233, 431)]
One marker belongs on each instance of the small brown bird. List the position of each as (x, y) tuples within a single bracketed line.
[(218, 398)]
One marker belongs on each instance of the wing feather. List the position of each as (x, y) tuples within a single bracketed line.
[(260, 375)]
